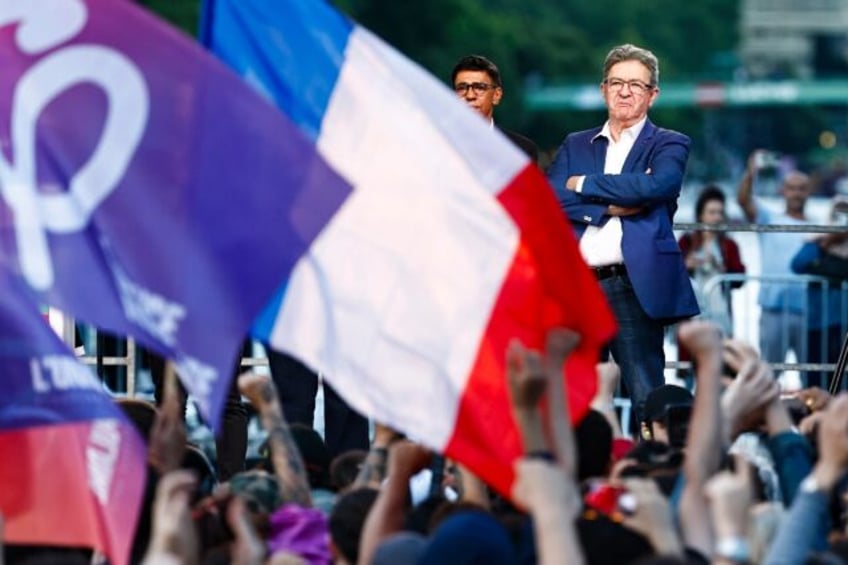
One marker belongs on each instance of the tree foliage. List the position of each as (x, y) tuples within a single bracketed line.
[(552, 42), (185, 14), (564, 42)]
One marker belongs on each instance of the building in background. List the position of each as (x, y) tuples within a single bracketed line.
[(794, 38)]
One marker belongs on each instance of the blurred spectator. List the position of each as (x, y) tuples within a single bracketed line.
[(827, 303), (781, 302), (667, 411), (708, 254)]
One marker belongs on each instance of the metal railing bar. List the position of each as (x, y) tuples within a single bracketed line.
[(748, 227)]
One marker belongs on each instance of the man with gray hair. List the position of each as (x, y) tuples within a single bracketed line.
[(618, 184)]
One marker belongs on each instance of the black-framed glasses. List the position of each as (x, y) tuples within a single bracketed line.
[(635, 86), (478, 87)]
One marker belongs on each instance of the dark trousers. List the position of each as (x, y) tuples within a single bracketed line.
[(297, 385), (638, 346), (231, 441)]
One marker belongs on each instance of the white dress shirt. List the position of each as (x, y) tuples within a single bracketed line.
[(602, 245)]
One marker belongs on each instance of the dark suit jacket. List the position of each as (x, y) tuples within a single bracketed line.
[(523, 143), (651, 254)]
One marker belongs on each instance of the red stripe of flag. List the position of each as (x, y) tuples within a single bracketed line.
[(548, 286)]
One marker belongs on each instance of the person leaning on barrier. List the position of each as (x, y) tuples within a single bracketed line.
[(825, 255), (781, 317), (708, 254), (619, 184)]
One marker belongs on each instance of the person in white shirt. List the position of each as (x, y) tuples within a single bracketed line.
[(618, 184)]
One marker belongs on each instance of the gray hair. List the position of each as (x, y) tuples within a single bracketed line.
[(628, 52)]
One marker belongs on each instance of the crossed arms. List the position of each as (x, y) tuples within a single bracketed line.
[(604, 195)]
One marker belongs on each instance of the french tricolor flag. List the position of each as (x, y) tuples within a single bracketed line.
[(449, 244)]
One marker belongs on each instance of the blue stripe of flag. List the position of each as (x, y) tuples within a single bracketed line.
[(292, 52)]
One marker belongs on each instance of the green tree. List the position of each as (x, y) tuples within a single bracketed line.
[(185, 14)]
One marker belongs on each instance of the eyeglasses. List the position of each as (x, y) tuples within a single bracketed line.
[(635, 86), (478, 87)]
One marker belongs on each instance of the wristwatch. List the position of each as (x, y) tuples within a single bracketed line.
[(736, 549)]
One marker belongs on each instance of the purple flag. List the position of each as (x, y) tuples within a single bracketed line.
[(146, 189), (54, 415)]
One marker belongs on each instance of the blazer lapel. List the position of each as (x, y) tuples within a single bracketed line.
[(639, 147), (599, 146)]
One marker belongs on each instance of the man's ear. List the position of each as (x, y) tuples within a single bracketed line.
[(654, 95), (496, 97)]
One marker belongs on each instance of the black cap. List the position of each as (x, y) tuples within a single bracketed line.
[(662, 398)]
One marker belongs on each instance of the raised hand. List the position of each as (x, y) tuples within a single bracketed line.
[(168, 435), (247, 548), (814, 398), (285, 455), (702, 339), (560, 343), (258, 389), (407, 458), (525, 376), (745, 400), (652, 516), (736, 353), (173, 533), (527, 383)]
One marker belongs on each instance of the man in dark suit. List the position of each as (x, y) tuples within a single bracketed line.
[(619, 184), (477, 80), (345, 429)]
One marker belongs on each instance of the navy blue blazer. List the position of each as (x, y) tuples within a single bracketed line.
[(651, 177)]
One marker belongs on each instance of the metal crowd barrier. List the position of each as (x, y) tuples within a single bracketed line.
[(749, 293), (831, 317), (129, 361)]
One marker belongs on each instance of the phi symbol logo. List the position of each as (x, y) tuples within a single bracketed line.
[(43, 25)]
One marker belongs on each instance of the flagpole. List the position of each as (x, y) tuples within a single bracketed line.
[(836, 380)]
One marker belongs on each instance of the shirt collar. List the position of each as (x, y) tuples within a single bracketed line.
[(632, 132)]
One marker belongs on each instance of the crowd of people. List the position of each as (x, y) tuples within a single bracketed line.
[(735, 473), (732, 471)]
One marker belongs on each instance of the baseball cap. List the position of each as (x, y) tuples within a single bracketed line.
[(662, 398)]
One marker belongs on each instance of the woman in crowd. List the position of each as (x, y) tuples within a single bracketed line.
[(708, 254)]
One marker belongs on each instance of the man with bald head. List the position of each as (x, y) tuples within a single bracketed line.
[(782, 303)]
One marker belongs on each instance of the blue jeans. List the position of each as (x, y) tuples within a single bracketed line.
[(638, 346), (780, 331)]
